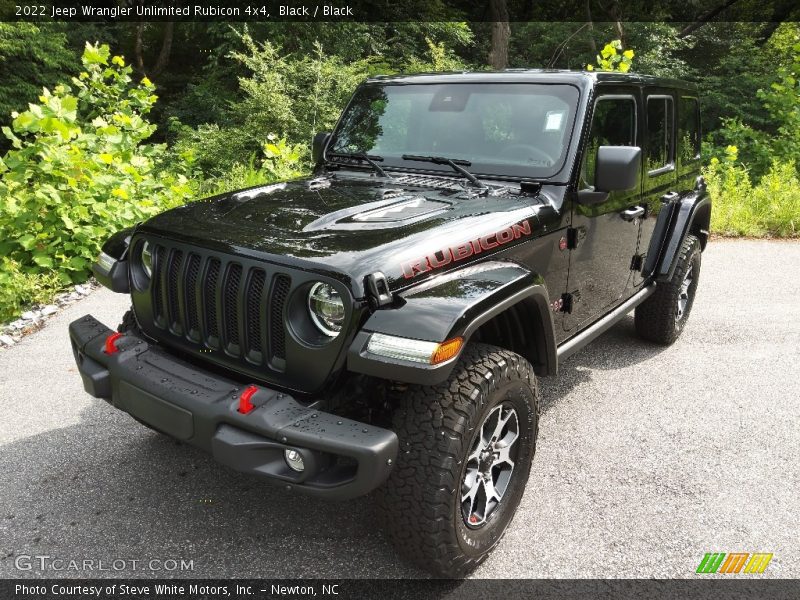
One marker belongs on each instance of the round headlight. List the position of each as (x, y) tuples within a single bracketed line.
[(147, 259), (326, 308)]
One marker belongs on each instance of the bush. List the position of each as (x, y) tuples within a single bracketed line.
[(291, 96), (781, 104), (31, 55), (281, 161), (78, 170), (18, 289), (769, 208)]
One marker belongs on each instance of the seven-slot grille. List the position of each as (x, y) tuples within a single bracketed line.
[(218, 304)]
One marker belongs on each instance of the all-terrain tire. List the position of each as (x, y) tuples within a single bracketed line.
[(662, 317), (439, 427)]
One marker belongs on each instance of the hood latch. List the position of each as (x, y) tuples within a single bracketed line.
[(378, 293)]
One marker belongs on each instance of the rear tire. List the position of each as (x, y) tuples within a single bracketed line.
[(662, 317), (473, 435)]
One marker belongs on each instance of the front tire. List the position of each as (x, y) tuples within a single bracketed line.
[(466, 448), (662, 317)]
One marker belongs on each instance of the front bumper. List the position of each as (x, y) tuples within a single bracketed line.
[(343, 458)]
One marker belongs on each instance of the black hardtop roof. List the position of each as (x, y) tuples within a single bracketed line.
[(579, 78)]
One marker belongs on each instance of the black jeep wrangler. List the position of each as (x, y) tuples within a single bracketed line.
[(380, 326)]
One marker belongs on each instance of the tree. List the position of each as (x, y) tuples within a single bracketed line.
[(163, 56), (501, 34), (78, 169), (31, 56)]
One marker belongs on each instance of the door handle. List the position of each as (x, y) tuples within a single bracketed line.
[(633, 213), (670, 197)]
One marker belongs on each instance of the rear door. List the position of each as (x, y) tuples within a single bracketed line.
[(660, 165), (600, 265)]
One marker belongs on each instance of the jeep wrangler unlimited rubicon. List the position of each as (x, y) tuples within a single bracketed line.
[(380, 326)]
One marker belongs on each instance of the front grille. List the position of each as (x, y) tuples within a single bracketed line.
[(253, 319), (209, 295), (176, 256), (192, 318), (217, 304), (230, 303), (280, 292)]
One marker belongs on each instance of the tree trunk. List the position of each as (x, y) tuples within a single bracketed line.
[(592, 43), (166, 49), (137, 48), (620, 33), (163, 56), (501, 34), (705, 18)]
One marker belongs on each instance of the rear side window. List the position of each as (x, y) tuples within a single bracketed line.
[(613, 124), (660, 118), (688, 129)]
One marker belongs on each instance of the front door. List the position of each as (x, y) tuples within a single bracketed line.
[(607, 233)]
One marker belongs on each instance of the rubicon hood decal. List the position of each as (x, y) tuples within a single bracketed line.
[(464, 250)]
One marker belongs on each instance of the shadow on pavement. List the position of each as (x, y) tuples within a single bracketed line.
[(108, 488), (619, 347)]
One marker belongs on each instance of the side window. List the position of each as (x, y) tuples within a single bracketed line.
[(659, 133), (613, 124), (688, 129)]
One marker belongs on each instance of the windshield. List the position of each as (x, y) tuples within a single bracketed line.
[(515, 129)]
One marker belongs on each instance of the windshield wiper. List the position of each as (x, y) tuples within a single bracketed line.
[(453, 163), (369, 159)]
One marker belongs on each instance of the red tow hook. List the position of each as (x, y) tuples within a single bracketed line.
[(245, 406), (111, 343)]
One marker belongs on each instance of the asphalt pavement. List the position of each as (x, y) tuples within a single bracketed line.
[(647, 458)]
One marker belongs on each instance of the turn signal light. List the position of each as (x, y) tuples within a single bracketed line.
[(418, 351), (245, 406), (447, 350), (111, 343)]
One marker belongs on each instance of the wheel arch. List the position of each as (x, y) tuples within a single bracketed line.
[(688, 214), (497, 302), (701, 223), (525, 328)]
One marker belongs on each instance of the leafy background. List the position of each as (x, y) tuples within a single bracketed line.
[(100, 134)]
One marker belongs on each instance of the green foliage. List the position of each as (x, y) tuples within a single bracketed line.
[(613, 58), (295, 96), (439, 58), (31, 56), (78, 170), (770, 208), (761, 146), (281, 161), (18, 288), (292, 96)]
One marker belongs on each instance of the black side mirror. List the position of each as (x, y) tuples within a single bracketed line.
[(318, 146), (616, 169)]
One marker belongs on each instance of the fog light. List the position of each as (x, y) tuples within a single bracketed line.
[(294, 459)]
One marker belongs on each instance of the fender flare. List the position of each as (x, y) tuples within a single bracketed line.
[(452, 305), (689, 213)]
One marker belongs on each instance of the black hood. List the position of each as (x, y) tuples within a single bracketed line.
[(349, 227)]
